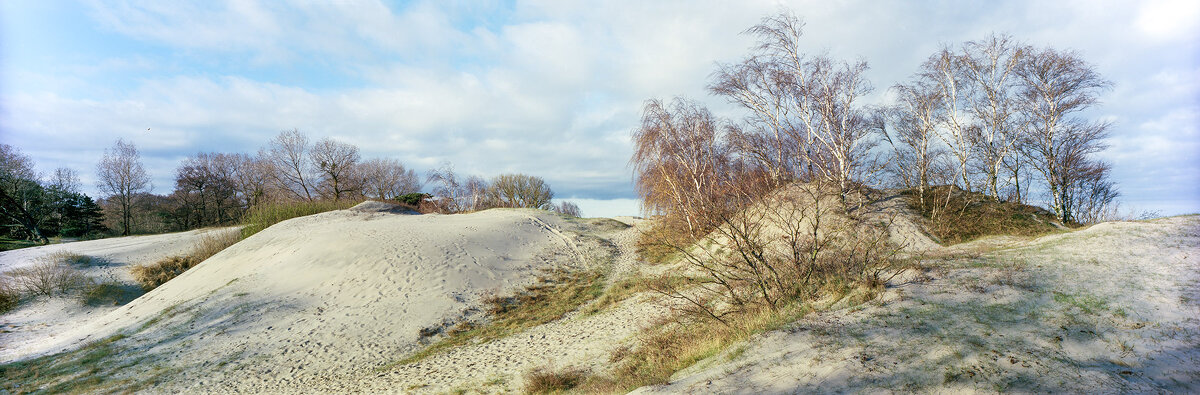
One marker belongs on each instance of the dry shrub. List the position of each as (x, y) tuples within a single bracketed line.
[(154, 275), (9, 297), (547, 381), (46, 278)]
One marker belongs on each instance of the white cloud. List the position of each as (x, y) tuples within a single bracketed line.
[(547, 87)]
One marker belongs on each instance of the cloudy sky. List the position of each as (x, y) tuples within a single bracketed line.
[(549, 88)]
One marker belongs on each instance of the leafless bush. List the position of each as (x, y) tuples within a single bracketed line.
[(519, 190), (47, 277), (798, 244)]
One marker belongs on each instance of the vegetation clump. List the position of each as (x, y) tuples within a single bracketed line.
[(954, 216), (549, 381), (156, 274), (264, 215)]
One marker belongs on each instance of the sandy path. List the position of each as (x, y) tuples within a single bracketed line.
[(1113, 308)]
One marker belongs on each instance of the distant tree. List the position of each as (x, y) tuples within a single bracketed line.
[(290, 168), (944, 71), (206, 190), (84, 217), (519, 190), (387, 179), (1055, 87), (568, 208), (251, 176), (335, 161), (122, 177)]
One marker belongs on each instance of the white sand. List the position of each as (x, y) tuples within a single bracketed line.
[(25, 330), (327, 298), (320, 303)]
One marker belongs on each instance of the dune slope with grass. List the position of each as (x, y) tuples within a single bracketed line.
[(1111, 308), (319, 299)]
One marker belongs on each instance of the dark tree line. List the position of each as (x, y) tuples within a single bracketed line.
[(33, 208)]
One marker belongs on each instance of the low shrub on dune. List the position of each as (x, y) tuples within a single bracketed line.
[(156, 274)]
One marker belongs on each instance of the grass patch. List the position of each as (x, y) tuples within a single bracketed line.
[(264, 215), (108, 292), (84, 370), (1087, 303), (13, 244), (553, 295), (549, 381), (955, 216), (682, 343)]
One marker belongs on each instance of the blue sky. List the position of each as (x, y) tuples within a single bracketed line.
[(547, 88)]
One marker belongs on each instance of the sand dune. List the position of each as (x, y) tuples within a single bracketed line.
[(28, 329), (329, 295)]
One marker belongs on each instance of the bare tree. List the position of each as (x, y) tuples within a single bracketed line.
[(804, 120), (989, 67), (1055, 87), (453, 194), (568, 208), (336, 163), (943, 70), (519, 190), (291, 171), (388, 178), (122, 177), (251, 177), (915, 119), (680, 162)]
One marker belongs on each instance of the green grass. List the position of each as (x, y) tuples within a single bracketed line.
[(553, 295), (264, 215), (1087, 303), (12, 244)]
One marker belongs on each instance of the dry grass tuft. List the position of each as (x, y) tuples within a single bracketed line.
[(154, 275), (212, 243), (9, 297), (547, 381)]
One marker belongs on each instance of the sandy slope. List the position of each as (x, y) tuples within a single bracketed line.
[(327, 298), (30, 327), (1112, 308)]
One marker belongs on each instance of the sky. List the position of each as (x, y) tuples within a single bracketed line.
[(548, 88)]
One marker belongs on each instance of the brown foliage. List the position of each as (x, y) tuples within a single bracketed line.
[(547, 381), (156, 274)]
